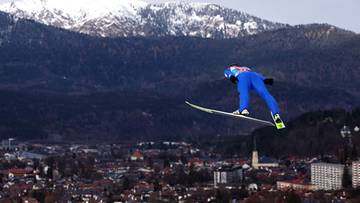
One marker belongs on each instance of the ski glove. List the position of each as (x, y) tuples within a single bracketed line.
[(233, 79), (268, 81)]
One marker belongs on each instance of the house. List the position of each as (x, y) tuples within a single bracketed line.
[(297, 184), (17, 172), (28, 200), (31, 155), (137, 156)]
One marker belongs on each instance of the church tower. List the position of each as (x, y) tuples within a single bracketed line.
[(254, 156)]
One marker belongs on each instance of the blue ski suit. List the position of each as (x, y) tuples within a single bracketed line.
[(247, 81)]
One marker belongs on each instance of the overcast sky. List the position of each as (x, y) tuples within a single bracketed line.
[(341, 13)]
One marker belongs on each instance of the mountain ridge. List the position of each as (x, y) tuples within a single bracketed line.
[(137, 18), (269, 52)]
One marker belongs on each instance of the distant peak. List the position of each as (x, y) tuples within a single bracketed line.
[(74, 8)]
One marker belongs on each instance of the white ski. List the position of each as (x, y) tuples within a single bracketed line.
[(223, 113)]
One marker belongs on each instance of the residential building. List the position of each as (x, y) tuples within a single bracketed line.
[(228, 175), (356, 174), (327, 176)]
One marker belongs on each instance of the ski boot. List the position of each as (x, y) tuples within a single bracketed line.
[(278, 122), (244, 112)]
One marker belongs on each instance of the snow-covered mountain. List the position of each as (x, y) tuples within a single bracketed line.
[(123, 18)]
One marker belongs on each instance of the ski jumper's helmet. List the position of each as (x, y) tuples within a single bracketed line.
[(235, 70)]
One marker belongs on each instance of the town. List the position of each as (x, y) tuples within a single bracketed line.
[(168, 171)]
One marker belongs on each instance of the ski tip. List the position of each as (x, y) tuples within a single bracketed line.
[(188, 103)]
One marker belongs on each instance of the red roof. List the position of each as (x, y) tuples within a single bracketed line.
[(29, 200), (137, 154), (103, 182), (87, 186), (21, 187), (295, 181), (17, 171), (196, 161)]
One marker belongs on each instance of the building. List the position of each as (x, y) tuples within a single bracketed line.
[(12, 144), (327, 176), (17, 172), (137, 156), (228, 175), (263, 162), (295, 185), (29, 200), (356, 174), (30, 155), (255, 159)]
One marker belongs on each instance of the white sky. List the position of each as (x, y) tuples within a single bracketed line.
[(342, 13)]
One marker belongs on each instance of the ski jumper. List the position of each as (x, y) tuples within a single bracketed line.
[(247, 81)]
